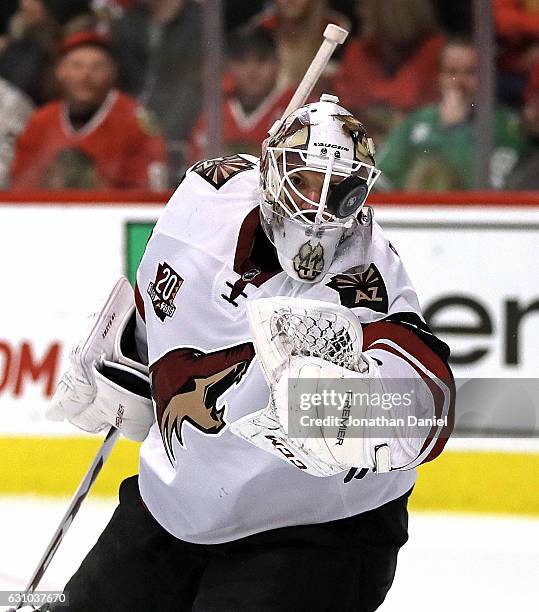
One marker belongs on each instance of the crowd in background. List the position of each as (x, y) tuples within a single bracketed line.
[(107, 94)]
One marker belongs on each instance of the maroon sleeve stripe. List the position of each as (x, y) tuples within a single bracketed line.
[(374, 335), (409, 342), (439, 404), (139, 303)]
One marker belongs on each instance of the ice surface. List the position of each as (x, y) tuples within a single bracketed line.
[(451, 562)]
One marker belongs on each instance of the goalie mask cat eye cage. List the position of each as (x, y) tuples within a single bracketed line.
[(320, 144)]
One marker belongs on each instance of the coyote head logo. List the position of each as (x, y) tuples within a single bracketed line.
[(187, 385)]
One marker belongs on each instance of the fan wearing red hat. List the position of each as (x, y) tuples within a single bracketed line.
[(94, 137)]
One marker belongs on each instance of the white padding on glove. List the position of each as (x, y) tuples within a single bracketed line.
[(315, 449), (342, 452), (264, 430), (93, 406), (104, 387), (308, 348)]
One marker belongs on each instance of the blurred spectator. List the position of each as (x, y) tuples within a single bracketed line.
[(15, 108), (434, 148), (95, 137), (159, 48), (517, 28), (526, 174), (298, 27), (391, 67), (28, 53), (27, 59), (256, 101)]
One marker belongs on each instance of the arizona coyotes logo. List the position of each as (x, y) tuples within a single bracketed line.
[(309, 262), (365, 290), (187, 385)]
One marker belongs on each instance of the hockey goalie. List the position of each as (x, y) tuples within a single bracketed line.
[(261, 277)]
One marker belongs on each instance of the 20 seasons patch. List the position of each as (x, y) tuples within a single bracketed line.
[(163, 290)]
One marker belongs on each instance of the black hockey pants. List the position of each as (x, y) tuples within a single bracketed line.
[(345, 565)]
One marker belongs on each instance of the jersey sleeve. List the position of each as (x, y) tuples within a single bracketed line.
[(198, 350), (190, 246), (402, 343)]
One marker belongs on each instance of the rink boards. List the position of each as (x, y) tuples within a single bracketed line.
[(473, 265)]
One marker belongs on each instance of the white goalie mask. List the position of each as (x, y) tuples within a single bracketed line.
[(316, 173)]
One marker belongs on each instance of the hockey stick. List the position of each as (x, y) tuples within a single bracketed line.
[(76, 501), (333, 36)]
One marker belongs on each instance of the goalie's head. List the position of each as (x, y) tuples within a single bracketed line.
[(316, 173)]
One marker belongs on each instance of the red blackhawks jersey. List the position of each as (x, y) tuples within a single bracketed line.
[(203, 263), (115, 149), (242, 131)]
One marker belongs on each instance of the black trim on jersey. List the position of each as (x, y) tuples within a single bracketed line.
[(415, 324)]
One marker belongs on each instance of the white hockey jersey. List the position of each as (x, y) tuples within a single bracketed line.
[(202, 264)]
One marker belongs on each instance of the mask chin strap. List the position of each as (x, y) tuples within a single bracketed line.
[(323, 196)]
